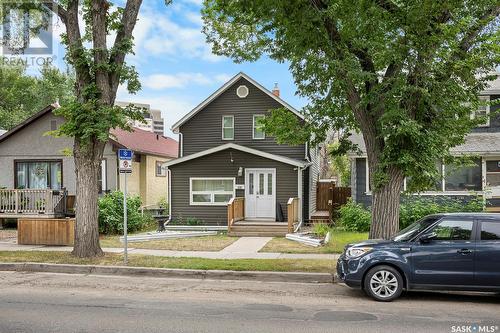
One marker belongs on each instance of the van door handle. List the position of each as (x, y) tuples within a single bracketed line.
[(464, 251)]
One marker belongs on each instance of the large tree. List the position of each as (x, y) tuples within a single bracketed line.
[(98, 36), (406, 73), (22, 95)]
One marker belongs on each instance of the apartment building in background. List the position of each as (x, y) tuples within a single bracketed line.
[(153, 120)]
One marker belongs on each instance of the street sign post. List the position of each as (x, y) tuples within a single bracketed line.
[(125, 158)]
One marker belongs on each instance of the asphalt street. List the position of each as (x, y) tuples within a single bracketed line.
[(42, 302)]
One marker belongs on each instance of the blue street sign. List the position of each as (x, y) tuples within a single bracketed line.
[(125, 154)]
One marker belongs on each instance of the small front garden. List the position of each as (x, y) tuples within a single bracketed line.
[(278, 265)]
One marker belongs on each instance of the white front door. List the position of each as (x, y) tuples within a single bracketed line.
[(260, 194)]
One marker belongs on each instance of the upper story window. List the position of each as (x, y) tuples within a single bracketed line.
[(483, 111), (227, 127), (161, 170), (258, 127)]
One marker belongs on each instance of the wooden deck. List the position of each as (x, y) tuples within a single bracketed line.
[(32, 203), (239, 225)]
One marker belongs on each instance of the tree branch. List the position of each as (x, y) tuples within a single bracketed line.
[(56, 9), (117, 58), (475, 30)]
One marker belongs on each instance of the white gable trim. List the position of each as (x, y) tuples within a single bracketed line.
[(252, 151), (175, 127)]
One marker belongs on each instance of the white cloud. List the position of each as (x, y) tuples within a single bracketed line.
[(181, 80), (159, 35)]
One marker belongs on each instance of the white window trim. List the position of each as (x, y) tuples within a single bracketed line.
[(191, 203), (473, 114), (223, 138), (430, 193), (253, 127)]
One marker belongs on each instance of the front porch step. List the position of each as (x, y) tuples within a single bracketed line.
[(259, 229)]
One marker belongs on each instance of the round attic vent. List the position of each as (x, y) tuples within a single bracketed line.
[(242, 91)]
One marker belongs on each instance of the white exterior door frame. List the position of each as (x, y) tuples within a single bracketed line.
[(491, 191), (259, 204)]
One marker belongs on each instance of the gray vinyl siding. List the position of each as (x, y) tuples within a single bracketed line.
[(219, 165), (31, 143), (204, 130)]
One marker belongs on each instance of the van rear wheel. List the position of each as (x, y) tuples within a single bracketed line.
[(383, 283)]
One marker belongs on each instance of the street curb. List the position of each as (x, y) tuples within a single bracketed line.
[(170, 272)]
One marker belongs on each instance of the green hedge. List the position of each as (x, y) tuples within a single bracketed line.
[(355, 217), (111, 214)]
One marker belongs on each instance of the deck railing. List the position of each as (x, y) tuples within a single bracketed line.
[(235, 211), (18, 203), (293, 213)]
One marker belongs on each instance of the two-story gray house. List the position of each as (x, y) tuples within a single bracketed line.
[(483, 178), (224, 153)]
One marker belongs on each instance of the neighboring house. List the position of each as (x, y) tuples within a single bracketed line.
[(31, 159), (224, 154), (464, 182), (153, 121)]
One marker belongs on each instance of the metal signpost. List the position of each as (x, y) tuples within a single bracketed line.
[(125, 158)]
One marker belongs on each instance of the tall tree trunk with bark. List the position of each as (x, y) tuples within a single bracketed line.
[(385, 206), (87, 166)]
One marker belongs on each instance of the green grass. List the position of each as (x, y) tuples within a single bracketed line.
[(279, 265), (339, 240), (205, 243)]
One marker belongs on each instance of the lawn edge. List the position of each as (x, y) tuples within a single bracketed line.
[(264, 276)]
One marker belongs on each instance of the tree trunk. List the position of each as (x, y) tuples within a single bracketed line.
[(385, 206), (87, 162)]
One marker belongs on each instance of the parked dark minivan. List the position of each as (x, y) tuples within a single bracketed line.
[(459, 251)]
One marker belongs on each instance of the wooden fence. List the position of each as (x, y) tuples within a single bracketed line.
[(31, 202), (330, 197), (293, 213), (235, 211), (46, 231)]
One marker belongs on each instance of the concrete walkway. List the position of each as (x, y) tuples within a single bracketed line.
[(247, 245), (250, 253)]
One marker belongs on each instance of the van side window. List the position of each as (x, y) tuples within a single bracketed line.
[(451, 230), (490, 231)]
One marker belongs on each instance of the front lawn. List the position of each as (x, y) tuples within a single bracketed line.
[(205, 243), (279, 265), (339, 240)]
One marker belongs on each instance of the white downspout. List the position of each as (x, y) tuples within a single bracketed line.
[(169, 197), (181, 145), (300, 194)]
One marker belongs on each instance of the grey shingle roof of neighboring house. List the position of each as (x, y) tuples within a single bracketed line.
[(475, 143)]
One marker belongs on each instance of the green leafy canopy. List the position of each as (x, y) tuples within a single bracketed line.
[(406, 73)]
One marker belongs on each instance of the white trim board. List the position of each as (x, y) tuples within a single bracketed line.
[(217, 93), (252, 151)]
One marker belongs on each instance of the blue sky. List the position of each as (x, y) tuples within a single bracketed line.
[(176, 67)]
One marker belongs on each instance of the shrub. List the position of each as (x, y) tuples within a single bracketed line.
[(163, 204), (414, 208), (111, 214), (193, 221), (354, 217), (321, 229)]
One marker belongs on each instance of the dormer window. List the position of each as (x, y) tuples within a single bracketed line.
[(227, 127), (483, 111), (258, 127)]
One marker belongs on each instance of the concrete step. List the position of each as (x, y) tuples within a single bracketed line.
[(257, 233)]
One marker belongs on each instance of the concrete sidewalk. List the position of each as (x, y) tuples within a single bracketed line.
[(4, 246)]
